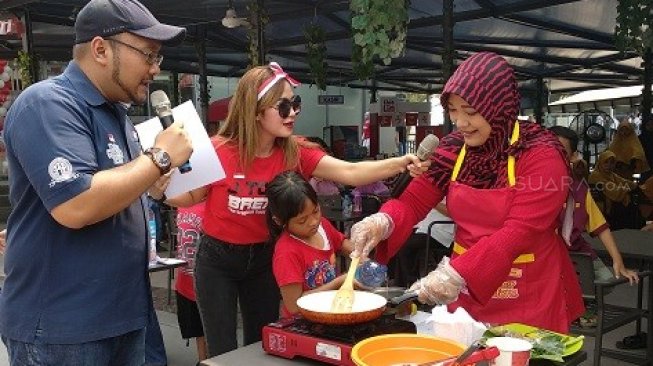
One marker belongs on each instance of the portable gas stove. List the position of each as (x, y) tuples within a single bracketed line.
[(331, 344)]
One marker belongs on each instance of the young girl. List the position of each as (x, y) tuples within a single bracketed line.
[(306, 243)]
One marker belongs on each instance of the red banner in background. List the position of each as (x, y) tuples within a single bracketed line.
[(411, 118), (385, 121), (11, 27)]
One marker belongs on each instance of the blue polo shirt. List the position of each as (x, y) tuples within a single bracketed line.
[(68, 286)]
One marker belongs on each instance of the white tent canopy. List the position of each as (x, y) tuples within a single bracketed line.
[(598, 98)]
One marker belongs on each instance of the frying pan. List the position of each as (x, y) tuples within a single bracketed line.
[(367, 306)]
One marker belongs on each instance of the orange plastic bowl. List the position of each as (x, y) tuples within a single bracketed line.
[(403, 350)]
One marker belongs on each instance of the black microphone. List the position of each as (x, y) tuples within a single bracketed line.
[(424, 151), (161, 105)]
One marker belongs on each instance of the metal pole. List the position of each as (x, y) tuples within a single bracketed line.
[(175, 88), (28, 43), (260, 33), (447, 53), (200, 45), (647, 75), (539, 98)]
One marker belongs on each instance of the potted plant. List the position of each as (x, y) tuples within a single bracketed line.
[(316, 54), (255, 33), (379, 29), (634, 29), (26, 62)]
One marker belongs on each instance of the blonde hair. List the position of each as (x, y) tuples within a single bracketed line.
[(241, 126)]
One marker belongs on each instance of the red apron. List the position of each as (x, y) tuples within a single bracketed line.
[(534, 291)]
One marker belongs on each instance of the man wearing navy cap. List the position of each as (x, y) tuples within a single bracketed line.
[(76, 288)]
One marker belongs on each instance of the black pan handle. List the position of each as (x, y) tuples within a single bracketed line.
[(397, 300)]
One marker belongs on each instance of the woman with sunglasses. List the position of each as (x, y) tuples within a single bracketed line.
[(233, 262)]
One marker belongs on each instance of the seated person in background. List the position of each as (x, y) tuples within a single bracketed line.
[(377, 188), (628, 151), (587, 216), (618, 207), (327, 191), (306, 243), (648, 227), (405, 265)]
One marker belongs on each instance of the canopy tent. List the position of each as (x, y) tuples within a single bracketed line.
[(599, 98), (567, 44)]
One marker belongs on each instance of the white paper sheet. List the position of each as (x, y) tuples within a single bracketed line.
[(204, 161)]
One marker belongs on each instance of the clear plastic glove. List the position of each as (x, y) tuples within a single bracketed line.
[(441, 286), (367, 233)]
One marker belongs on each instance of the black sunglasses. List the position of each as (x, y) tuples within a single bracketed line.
[(284, 105)]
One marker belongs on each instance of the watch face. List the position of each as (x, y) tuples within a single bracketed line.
[(162, 158)]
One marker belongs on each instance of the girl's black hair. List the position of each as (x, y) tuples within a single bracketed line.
[(567, 133), (287, 194)]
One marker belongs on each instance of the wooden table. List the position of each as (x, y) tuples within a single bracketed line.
[(636, 246)]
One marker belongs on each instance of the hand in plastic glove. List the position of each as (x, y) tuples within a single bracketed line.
[(367, 233), (441, 286)]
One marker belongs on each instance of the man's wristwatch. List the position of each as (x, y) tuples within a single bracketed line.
[(160, 158)]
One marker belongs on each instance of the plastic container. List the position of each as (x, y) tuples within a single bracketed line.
[(512, 351), (347, 206), (404, 349), (358, 203), (372, 274)]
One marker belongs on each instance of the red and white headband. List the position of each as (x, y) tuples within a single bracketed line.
[(277, 75)]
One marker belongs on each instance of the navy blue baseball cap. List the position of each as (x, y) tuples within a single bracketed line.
[(105, 18)]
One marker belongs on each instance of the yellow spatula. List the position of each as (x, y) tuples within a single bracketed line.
[(344, 299)]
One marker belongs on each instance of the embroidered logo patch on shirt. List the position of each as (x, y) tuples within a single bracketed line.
[(60, 170), (113, 151)]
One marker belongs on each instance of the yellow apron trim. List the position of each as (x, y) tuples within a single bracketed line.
[(524, 258), (459, 163), (511, 159)]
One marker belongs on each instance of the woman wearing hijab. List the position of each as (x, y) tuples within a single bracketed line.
[(628, 151), (618, 205), (646, 139), (505, 182)]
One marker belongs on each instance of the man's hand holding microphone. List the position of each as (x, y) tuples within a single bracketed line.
[(175, 141), (172, 147)]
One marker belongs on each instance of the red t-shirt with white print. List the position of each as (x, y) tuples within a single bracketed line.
[(297, 262), (235, 211), (189, 230)]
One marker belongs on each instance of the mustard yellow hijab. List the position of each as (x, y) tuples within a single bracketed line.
[(626, 147), (614, 187)]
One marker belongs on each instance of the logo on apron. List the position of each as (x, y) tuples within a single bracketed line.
[(507, 290)]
